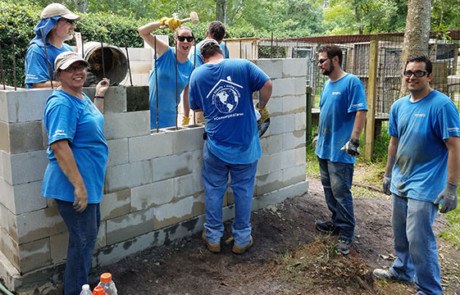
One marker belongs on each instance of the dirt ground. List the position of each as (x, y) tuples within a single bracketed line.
[(288, 257)]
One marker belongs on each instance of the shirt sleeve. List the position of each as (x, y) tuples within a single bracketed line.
[(60, 121), (257, 77), (36, 69), (357, 96), (449, 120)]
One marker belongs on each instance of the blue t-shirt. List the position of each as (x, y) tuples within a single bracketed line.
[(223, 92), (36, 67), (339, 102), (169, 91), (422, 127), (82, 124), (195, 55)]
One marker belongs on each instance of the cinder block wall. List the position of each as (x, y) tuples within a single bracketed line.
[(153, 192)]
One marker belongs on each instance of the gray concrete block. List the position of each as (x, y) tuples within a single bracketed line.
[(116, 204), (172, 166), (39, 224), (288, 86), (269, 182), (151, 146), (128, 175), (26, 167), (27, 197), (188, 139), (272, 144), (300, 121), (294, 67), (153, 194), (268, 164), (275, 106), (123, 125), (35, 255), (101, 240), (138, 97), (115, 98), (3, 106), (24, 105), (118, 152), (129, 226), (25, 137), (11, 278), (173, 213), (140, 54), (9, 247), (7, 195), (293, 104), (293, 157), (185, 186), (280, 195), (272, 67), (5, 140), (294, 174), (293, 140)]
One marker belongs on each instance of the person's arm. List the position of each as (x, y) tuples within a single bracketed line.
[(99, 97), (265, 93), (186, 103), (145, 32), (360, 121), (453, 160), (46, 84), (66, 161), (391, 159)]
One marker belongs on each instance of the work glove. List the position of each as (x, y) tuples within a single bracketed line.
[(448, 198), (264, 114), (163, 20), (185, 120), (173, 23), (351, 147), (264, 120), (314, 141), (386, 184)]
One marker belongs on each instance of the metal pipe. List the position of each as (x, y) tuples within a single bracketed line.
[(4, 290), (177, 82), (103, 63), (2, 72), (129, 66), (14, 62), (157, 117)]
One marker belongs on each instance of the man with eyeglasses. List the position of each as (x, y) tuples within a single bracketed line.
[(342, 117), (55, 27), (422, 173)]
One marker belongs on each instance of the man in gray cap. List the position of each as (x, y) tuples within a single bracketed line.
[(55, 27)]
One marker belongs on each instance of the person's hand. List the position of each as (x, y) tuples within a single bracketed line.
[(163, 20), (264, 114), (102, 87), (314, 141), (173, 23), (81, 199), (185, 120), (448, 198), (351, 147), (386, 184)]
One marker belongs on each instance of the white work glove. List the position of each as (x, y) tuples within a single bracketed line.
[(386, 184), (314, 141), (448, 197), (351, 147)]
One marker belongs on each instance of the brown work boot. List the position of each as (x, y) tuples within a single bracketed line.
[(214, 248), (240, 250)]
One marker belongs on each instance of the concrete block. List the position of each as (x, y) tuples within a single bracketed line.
[(269, 163), (288, 86), (151, 146), (281, 124), (294, 174), (185, 186), (11, 278), (138, 98), (280, 195), (188, 139), (272, 144), (25, 167), (127, 175), (140, 54), (129, 226), (293, 157), (300, 121), (23, 105), (3, 106), (39, 224), (269, 182), (172, 166), (2, 155), (101, 240), (115, 98), (7, 195), (126, 124), (173, 213), (116, 204), (294, 104), (25, 137), (9, 224), (153, 194), (293, 140), (35, 255), (10, 249), (275, 106), (198, 204), (272, 67), (140, 66), (58, 247), (294, 67), (118, 152), (5, 140), (27, 197)]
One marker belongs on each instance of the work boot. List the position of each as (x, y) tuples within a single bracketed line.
[(343, 246), (384, 274), (240, 250), (326, 227), (214, 248)]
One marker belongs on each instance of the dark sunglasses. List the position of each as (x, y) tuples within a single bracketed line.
[(321, 61), (69, 21), (418, 74), (183, 38)]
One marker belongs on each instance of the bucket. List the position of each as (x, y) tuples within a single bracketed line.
[(115, 63)]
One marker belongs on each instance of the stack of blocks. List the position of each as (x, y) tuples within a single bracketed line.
[(153, 192)]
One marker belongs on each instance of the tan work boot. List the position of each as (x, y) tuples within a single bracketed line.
[(240, 250), (214, 248)]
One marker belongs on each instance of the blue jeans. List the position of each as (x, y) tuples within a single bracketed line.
[(336, 179), (415, 244), (83, 228), (215, 177)]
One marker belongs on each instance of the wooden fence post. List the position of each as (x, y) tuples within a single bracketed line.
[(371, 97)]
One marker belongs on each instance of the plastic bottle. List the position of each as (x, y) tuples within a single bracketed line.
[(99, 290), (107, 283), (85, 290)]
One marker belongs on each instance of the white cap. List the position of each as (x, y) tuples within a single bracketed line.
[(65, 59), (57, 9)]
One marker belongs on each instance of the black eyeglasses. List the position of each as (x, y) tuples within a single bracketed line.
[(418, 74), (183, 38), (75, 68), (69, 21), (321, 61)]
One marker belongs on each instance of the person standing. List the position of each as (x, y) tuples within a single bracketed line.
[(171, 73), (222, 89), (342, 117), (55, 27), (216, 31), (422, 172), (77, 154)]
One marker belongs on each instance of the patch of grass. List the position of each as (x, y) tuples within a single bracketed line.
[(312, 162), (452, 234)]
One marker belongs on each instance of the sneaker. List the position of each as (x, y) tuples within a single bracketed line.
[(214, 248), (343, 246), (326, 227), (384, 274), (240, 250)]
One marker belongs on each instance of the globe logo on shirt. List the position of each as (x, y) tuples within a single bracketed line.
[(226, 100)]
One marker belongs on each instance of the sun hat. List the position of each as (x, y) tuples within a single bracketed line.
[(65, 59), (57, 9)]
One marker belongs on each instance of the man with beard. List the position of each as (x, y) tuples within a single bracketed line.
[(342, 117), (56, 26)]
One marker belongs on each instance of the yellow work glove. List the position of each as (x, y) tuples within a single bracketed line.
[(264, 114), (163, 20), (185, 121), (173, 23)]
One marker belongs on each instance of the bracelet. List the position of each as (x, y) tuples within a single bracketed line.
[(98, 96)]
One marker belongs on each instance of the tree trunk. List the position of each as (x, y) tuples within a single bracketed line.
[(221, 11), (81, 5), (417, 33)]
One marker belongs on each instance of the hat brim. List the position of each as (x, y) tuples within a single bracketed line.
[(71, 61), (71, 16)]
